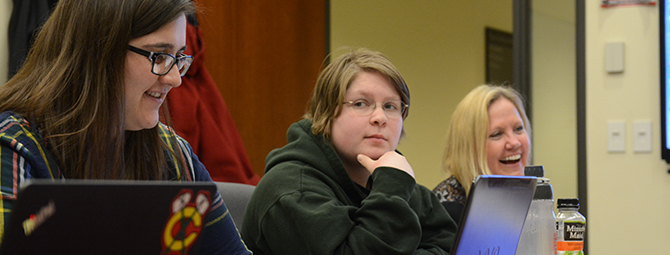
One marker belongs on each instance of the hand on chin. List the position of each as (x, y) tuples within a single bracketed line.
[(375, 154)]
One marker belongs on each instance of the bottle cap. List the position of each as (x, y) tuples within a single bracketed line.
[(543, 190), (568, 203), (537, 171)]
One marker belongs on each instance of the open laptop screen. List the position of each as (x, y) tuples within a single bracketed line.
[(494, 215)]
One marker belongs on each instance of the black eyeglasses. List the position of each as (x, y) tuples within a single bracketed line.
[(162, 62)]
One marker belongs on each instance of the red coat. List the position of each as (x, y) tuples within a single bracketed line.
[(200, 115)]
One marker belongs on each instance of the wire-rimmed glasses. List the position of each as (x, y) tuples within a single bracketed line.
[(364, 106)]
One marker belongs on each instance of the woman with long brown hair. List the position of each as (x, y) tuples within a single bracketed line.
[(87, 101)]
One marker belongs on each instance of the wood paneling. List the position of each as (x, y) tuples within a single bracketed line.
[(265, 57)]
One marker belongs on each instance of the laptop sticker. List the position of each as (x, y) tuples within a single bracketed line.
[(186, 221), (35, 220)]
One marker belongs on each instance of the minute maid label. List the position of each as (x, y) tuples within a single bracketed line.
[(574, 231), (570, 238)]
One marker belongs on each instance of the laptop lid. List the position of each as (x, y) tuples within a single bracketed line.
[(494, 215), (107, 217)]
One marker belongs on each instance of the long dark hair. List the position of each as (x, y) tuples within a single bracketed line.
[(72, 87)]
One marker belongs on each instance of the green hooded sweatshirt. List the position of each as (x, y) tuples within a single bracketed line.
[(307, 204)]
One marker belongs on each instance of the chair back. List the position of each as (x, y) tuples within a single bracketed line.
[(235, 196)]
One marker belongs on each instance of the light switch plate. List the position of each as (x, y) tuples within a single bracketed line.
[(642, 136), (614, 57), (616, 136)]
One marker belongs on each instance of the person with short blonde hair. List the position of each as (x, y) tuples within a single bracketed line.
[(324, 105), (481, 143), (339, 186)]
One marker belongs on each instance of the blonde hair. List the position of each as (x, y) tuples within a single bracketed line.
[(465, 155), (334, 80)]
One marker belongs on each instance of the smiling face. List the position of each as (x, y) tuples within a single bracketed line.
[(145, 91), (373, 134), (507, 144)]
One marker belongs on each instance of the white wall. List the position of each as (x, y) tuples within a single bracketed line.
[(6, 7), (628, 193), (554, 93)]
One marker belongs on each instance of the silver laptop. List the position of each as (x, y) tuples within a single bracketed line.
[(494, 215)]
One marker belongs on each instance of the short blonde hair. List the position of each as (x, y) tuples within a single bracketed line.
[(465, 155), (334, 80)]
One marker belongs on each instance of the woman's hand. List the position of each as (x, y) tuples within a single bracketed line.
[(389, 159)]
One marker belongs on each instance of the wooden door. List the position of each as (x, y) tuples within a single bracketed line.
[(265, 57)]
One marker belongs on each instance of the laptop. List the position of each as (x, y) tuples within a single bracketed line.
[(494, 215), (107, 217)]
